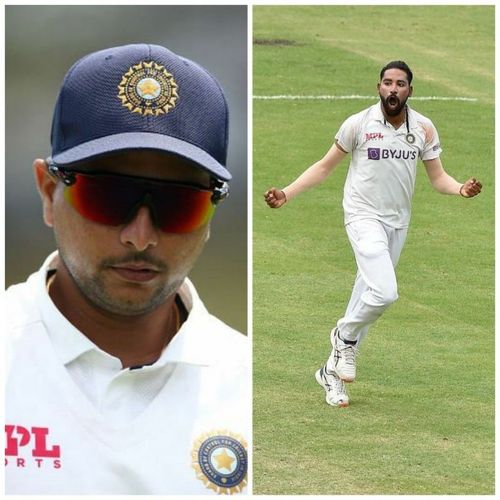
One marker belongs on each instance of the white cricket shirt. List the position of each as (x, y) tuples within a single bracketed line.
[(381, 177), (77, 423)]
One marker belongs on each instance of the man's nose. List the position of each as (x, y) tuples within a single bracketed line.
[(140, 232)]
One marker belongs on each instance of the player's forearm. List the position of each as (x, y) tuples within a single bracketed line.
[(316, 173), (446, 184), (310, 178)]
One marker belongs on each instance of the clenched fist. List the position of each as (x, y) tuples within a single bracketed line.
[(471, 188), (275, 198)]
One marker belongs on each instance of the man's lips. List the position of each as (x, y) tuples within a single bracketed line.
[(136, 272), (392, 100), (137, 266)]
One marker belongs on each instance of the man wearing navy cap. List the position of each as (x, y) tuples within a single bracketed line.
[(119, 380)]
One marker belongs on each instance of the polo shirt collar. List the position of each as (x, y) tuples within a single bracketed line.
[(377, 112), (69, 343), (191, 344)]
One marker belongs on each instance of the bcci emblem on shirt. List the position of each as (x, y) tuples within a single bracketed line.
[(220, 461)]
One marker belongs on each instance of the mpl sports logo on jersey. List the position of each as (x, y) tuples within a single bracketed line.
[(373, 136), (390, 154), (30, 447)]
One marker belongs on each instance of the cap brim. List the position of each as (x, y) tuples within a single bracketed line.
[(143, 140)]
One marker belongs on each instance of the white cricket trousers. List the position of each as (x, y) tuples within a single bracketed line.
[(377, 248)]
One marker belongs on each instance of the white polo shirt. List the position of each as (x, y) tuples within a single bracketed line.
[(381, 177), (77, 423)]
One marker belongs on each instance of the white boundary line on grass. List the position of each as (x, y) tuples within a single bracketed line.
[(349, 97)]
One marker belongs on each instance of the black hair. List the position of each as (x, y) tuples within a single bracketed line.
[(398, 65)]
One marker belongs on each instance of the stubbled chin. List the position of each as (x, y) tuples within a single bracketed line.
[(127, 299)]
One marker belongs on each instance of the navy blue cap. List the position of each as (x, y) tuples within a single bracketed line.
[(141, 97)]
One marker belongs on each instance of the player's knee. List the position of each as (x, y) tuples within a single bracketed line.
[(391, 297), (387, 295), (370, 249)]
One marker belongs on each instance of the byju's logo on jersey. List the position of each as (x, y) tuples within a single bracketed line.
[(31, 447), (392, 154)]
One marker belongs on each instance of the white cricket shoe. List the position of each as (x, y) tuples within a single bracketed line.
[(336, 394), (343, 358)]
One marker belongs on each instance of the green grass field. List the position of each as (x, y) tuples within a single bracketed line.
[(421, 419)]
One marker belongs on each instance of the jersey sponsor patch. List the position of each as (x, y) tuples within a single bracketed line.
[(220, 461), (148, 88), (30, 447), (393, 154), (373, 135)]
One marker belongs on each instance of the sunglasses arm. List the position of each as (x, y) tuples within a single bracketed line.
[(220, 191), (68, 178)]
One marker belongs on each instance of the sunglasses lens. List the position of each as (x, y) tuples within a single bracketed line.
[(182, 209), (111, 200), (102, 199)]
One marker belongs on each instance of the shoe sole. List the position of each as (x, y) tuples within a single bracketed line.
[(341, 404)]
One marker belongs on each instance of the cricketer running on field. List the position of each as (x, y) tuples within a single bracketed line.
[(385, 141)]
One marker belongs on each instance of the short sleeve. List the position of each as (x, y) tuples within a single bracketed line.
[(347, 134), (432, 147)]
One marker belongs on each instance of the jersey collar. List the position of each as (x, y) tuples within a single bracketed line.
[(191, 344)]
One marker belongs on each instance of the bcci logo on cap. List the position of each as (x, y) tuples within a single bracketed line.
[(220, 461), (148, 88)]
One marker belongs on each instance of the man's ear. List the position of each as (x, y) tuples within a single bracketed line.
[(411, 91), (46, 185)]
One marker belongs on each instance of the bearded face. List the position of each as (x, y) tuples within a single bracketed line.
[(393, 105), (394, 90)]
